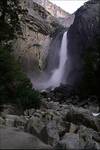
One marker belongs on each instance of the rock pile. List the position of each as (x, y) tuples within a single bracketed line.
[(57, 126)]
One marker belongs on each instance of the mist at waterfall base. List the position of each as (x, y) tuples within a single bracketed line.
[(53, 76)]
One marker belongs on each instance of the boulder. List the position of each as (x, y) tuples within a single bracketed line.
[(50, 134), (82, 116), (14, 121), (12, 138), (89, 138), (2, 122), (73, 128), (10, 120), (69, 141), (29, 112), (9, 109), (35, 125), (53, 105), (85, 138), (47, 125)]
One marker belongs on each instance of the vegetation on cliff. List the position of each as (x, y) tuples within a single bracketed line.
[(15, 87)]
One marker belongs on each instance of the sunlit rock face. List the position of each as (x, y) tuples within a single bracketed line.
[(63, 17), (38, 28), (67, 21), (83, 34), (52, 8)]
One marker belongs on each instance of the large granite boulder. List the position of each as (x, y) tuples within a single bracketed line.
[(69, 141), (13, 138), (85, 138), (50, 133), (46, 125), (82, 116), (89, 138)]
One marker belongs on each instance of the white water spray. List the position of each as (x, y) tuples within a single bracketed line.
[(58, 74)]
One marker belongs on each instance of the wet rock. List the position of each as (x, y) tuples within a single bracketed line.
[(63, 92)]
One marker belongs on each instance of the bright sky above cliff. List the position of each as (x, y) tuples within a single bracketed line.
[(69, 5)]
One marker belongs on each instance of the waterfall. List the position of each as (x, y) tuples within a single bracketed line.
[(57, 76)]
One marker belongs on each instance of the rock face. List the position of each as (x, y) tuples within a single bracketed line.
[(69, 141), (38, 28), (53, 9), (67, 21), (82, 35)]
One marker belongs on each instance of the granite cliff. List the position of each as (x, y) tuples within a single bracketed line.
[(38, 27), (52, 8), (84, 47), (63, 17)]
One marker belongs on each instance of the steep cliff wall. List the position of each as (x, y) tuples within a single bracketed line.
[(37, 26), (84, 47), (63, 17), (53, 9)]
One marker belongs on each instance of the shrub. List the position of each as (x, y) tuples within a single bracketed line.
[(15, 87)]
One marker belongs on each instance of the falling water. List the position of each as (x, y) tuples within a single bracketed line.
[(57, 75)]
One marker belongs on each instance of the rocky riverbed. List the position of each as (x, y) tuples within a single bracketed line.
[(54, 126)]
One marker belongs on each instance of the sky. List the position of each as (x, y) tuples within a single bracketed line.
[(69, 5)]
